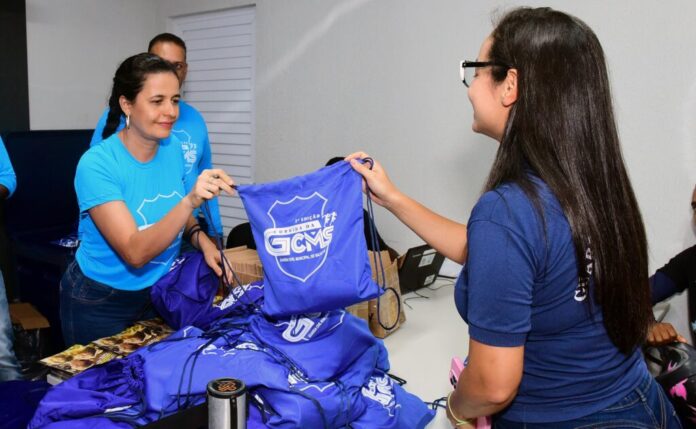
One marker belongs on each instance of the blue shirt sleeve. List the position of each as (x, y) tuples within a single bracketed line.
[(675, 276), (8, 178), (501, 271), (662, 287), (95, 183)]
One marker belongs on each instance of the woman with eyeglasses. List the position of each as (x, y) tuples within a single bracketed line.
[(133, 206), (555, 283)]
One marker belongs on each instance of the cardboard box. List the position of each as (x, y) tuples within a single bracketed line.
[(245, 263), (25, 315), (389, 306)]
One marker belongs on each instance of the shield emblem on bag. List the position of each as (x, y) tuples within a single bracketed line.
[(300, 236)]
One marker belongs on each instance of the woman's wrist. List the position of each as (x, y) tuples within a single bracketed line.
[(189, 202), (205, 244), (458, 422), (395, 201)]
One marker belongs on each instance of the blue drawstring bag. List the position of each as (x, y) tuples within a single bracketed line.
[(184, 296), (390, 406), (309, 233), (324, 344), (326, 404), (116, 386)]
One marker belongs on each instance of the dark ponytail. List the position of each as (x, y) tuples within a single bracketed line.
[(128, 81)]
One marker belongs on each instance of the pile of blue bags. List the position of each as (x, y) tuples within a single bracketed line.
[(306, 362)]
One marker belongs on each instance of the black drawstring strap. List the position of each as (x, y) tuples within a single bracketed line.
[(225, 263), (377, 257)]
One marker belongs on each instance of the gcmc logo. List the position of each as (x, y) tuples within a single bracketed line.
[(300, 237)]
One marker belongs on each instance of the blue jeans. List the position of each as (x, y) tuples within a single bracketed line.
[(646, 407), (9, 367), (90, 310)]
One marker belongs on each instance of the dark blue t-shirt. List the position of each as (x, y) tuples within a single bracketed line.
[(520, 287)]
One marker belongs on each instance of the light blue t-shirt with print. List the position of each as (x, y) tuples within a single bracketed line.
[(8, 178), (108, 172), (192, 132)]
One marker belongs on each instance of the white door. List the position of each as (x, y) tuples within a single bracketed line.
[(220, 84)]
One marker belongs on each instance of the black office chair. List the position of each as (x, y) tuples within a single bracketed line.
[(241, 236)]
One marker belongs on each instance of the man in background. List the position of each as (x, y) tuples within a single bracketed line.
[(677, 276)]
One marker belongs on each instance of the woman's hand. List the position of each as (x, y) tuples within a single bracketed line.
[(663, 333), (382, 190), (210, 184)]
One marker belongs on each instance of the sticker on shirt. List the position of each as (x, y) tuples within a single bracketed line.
[(583, 288), (189, 149), (150, 211), (301, 234)]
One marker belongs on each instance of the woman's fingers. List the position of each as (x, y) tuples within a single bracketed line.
[(222, 180), (213, 261), (357, 155)]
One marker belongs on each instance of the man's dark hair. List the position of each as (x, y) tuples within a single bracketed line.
[(166, 38)]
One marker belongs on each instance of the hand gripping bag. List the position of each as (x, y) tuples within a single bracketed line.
[(310, 236)]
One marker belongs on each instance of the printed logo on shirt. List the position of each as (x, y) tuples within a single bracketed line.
[(189, 149), (301, 234), (582, 290), (303, 327), (381, 390), (152, 210)]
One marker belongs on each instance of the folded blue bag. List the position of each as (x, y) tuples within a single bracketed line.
[(184, 296), (389, 406), (325, 345), (310, 236)]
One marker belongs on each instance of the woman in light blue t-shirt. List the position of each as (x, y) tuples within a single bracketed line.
[(134, 210), (555, 284)]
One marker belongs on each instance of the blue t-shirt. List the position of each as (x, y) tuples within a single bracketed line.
[(520, 287), (7, 174), (108, 172), (191, 130)]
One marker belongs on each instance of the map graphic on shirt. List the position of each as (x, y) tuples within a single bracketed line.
[(150, 211)]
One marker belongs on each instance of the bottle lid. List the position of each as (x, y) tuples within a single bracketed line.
[(226, 388)]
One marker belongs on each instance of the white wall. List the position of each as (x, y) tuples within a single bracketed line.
[(73, 49), (382, 76)]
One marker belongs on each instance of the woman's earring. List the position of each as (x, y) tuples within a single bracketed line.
[(128, 122)]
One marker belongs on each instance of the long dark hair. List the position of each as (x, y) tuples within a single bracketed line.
[(128, 81), (562, 127)]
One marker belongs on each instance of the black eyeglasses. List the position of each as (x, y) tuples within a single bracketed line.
[(468, 68)]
